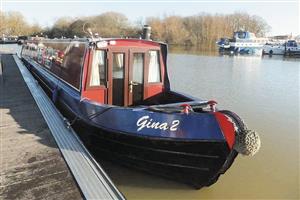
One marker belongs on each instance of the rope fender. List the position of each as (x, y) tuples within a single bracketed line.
[(247, 142)]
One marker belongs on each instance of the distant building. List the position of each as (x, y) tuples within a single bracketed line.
[(280, 38)]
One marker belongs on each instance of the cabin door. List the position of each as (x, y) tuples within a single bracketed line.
[(126, 76), (136, 77), (118, 78)]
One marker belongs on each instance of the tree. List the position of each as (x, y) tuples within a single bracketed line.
[(14, 24), (110, 24), (201, 30)]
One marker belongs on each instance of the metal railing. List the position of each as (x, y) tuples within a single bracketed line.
[(90, 177)]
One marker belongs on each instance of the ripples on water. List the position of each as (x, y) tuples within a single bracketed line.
[(262, 90)]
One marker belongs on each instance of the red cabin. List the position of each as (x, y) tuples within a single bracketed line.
[(130, 71), (120, 72)]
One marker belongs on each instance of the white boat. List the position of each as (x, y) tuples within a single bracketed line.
[(243, 42), (274, 49), (292, 48)]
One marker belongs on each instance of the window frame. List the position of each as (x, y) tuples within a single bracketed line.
[(89, 71), (43, 67), (160, 66)]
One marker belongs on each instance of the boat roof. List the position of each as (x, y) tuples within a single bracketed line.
[(121, 41)]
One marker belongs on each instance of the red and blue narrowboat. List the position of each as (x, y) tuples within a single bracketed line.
[(118, 90)]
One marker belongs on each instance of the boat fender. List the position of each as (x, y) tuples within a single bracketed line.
[(186, 108), (247, 142)]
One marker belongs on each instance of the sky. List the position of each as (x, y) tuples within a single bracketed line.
[(282, 16)]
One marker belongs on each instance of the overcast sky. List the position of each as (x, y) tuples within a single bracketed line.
[(282, 16)]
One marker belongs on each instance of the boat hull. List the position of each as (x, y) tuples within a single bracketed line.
[(197, 163), (197, 153)]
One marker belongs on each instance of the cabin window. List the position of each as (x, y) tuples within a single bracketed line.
[(118, 78), (154, 67), (48, 60), (138, 67), (118, 65), (98, 71), (40, 55), (72, 62), (63, 59)]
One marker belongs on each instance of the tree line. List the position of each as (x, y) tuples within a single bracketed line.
[(14, 24), (204, 29), (198, 30)]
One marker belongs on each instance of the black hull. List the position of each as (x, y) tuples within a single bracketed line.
[(197, 163)]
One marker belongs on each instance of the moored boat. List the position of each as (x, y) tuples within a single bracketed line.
[(274, 49), (292, 48), (223, 44), (8, 39), (244, 42), (118, 90)]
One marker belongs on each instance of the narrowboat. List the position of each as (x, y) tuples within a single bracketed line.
[(118, 91)]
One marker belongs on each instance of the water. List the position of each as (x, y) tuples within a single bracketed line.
[(265, 93)]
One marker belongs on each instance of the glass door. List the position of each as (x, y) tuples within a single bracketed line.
[(118, 76), (126, 76), (136, 78)]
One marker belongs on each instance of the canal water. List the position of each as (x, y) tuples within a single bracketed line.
[(264, 91)]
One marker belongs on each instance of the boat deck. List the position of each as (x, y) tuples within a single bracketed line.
[(34, 162)]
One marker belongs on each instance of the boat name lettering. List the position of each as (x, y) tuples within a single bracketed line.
[(147, 122)]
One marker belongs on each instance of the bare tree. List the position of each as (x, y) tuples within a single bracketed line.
[(14, 24), (201, 30)]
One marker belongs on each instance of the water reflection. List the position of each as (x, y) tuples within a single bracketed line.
[(191, 50)]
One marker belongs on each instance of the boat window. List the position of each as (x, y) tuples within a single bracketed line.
[(63, 59), (241, 35), (154, 67), (40, 55), (138, 67), (98, 72), (70, 69), (49, 57), (118, 65), (118, 78)]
